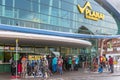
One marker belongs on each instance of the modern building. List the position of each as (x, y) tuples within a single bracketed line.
[(113, 8), (111, 46), (42, 26)]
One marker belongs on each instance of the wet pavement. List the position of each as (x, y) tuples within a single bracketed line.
[(88, 76), (74, 75)]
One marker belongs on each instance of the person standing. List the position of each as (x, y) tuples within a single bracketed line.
[(49, 58), (104, 62), (46, 68), (118, 62), (19, 67), (76, 63), (60, 64), (54, 64), (70, 63), (111, 64), (13, 68), (24, 66)]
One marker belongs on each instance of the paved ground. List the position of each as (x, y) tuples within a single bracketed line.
[(75, 75)]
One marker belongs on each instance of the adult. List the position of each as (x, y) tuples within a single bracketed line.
[(70, 63), (104, 61), (49, 58), (76, 63), (11, 63), (95, 64), (54, 64), (24, 66), (13, 68), (60, 64), (19, 67), (118, 63), (111, 64), (46, 68)]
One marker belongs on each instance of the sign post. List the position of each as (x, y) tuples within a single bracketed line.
[(16, 55)]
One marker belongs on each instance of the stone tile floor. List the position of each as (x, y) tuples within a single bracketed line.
[(73, 75)]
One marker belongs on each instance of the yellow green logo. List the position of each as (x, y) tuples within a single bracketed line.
[(89, 13)]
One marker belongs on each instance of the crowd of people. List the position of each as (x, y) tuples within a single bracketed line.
[(104, 64), (49, 65), (44, 67)]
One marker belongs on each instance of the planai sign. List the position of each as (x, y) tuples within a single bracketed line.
[(89, 13)]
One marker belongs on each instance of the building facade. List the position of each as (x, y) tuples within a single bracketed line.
[(62, 15), (113, 8), (69, 16)]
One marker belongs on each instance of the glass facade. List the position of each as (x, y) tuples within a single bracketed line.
[(56, 15), (113, 8)]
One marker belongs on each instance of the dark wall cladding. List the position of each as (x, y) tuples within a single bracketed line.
[(61, 14)]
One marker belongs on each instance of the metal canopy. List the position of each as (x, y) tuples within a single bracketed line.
[(28, 39)]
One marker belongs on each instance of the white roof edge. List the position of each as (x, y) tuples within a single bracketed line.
[(18, 35)]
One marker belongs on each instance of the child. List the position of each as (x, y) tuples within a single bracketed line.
[(100, 69)]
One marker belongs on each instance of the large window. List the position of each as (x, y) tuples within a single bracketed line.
[(25, 15), (67, 6), (36, 7), (9, 3), (9, 12), (0, 10), (56, 3), (23, 4), (46, 2), (0, 2)]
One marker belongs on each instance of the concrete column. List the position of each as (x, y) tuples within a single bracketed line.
[(101, 47)]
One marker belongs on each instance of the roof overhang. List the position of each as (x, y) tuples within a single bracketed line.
[(53, 33), (9, 37)]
